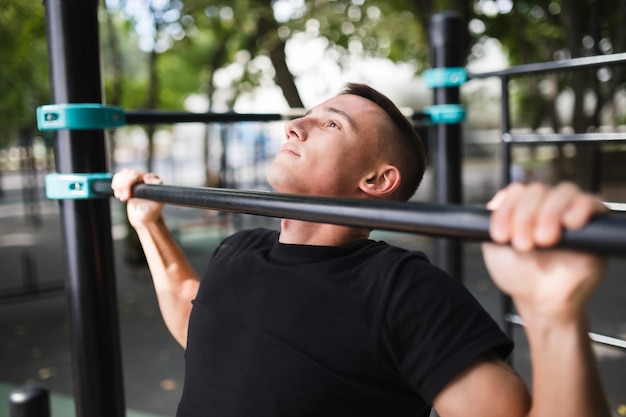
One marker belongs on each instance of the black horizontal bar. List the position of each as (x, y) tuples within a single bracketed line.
[(552, 66), (138, 117), (20, 294), (596, 337), (564, 137), (605, 234)]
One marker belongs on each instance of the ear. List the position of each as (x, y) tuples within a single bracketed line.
[(381, 183)]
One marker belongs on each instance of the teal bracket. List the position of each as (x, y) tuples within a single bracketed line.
[(446, 113), (444, 77), (79, 117), (74, 186)]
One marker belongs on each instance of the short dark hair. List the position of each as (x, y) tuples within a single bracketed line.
[(410, 150)]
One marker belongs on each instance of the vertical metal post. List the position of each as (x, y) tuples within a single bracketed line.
[(505, 126), (29, 401), (74, 53), (505, 121), (445, 36)]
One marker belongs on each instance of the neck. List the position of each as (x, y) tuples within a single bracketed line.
[(298, 232)]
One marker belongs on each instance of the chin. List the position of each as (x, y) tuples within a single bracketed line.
[(284, 187), (277, 185), (271, 180)]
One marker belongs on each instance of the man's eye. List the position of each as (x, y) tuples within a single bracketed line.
[(333, 124)]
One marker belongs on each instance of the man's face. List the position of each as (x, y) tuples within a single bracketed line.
[(330, 149)]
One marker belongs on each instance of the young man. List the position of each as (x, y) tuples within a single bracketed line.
[(318, 320)]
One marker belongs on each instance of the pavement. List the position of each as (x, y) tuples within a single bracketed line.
[(34, 331)]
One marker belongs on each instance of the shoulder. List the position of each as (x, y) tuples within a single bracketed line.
[(433, 326), (402, 272), (411, 270)]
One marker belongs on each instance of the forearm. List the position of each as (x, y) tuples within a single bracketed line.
[(566, 381), (175, 281)]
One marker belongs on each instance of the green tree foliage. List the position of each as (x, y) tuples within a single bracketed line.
[(196, 39), (384, 29), (542, 30), (238, 33), (124, 63), (24, 81), (141, 53), (547, 30)]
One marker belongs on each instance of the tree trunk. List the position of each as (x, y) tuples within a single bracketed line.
[(587, 155), (117, 70), (284, 77), (116, 60), (215, 61)]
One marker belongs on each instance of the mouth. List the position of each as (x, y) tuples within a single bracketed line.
[(289, 148)]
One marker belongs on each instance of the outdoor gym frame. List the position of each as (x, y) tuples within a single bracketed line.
[(74, 52)]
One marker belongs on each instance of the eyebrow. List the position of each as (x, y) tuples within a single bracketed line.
[(339, 112)]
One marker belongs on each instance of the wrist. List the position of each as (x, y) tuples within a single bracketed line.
[(149, 224), (543, 324)]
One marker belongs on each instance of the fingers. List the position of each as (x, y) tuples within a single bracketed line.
[(123, 181), (581, 210), (534, 215), (151, 178)]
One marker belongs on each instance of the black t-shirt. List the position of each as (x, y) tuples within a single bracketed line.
[(294, 330)]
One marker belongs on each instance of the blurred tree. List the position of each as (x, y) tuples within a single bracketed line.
[(557, 30), (24, 83), (157, 25), (227, 34), (241, 31), (135, 37), (232, 36), (547, 30)]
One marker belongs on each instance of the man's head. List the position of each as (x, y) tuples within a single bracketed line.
[(356, 144), (401, 139)]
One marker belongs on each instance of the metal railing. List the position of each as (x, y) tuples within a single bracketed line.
[(509, 139)]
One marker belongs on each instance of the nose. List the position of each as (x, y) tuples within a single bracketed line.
[(295, 129)]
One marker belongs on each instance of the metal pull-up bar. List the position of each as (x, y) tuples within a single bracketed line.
[(605, 234)]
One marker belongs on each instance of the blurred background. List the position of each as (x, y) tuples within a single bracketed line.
[(279, 56)]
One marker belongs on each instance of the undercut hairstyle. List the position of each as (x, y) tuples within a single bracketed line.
[(407, 147)]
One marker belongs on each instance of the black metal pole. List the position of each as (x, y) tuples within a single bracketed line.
[(29, 401), (135, 117), (73, 48), (445, 43), (506, 301), (555, 66), (604, 234)]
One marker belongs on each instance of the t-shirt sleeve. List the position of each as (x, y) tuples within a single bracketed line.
[(435, 328)]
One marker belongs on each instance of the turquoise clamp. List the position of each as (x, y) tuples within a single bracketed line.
[(74, 186), (444, 77), (446, 113), (79, 116)]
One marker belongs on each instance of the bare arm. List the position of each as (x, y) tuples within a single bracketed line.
[(175, 281), (487, 388), (550, 289)]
